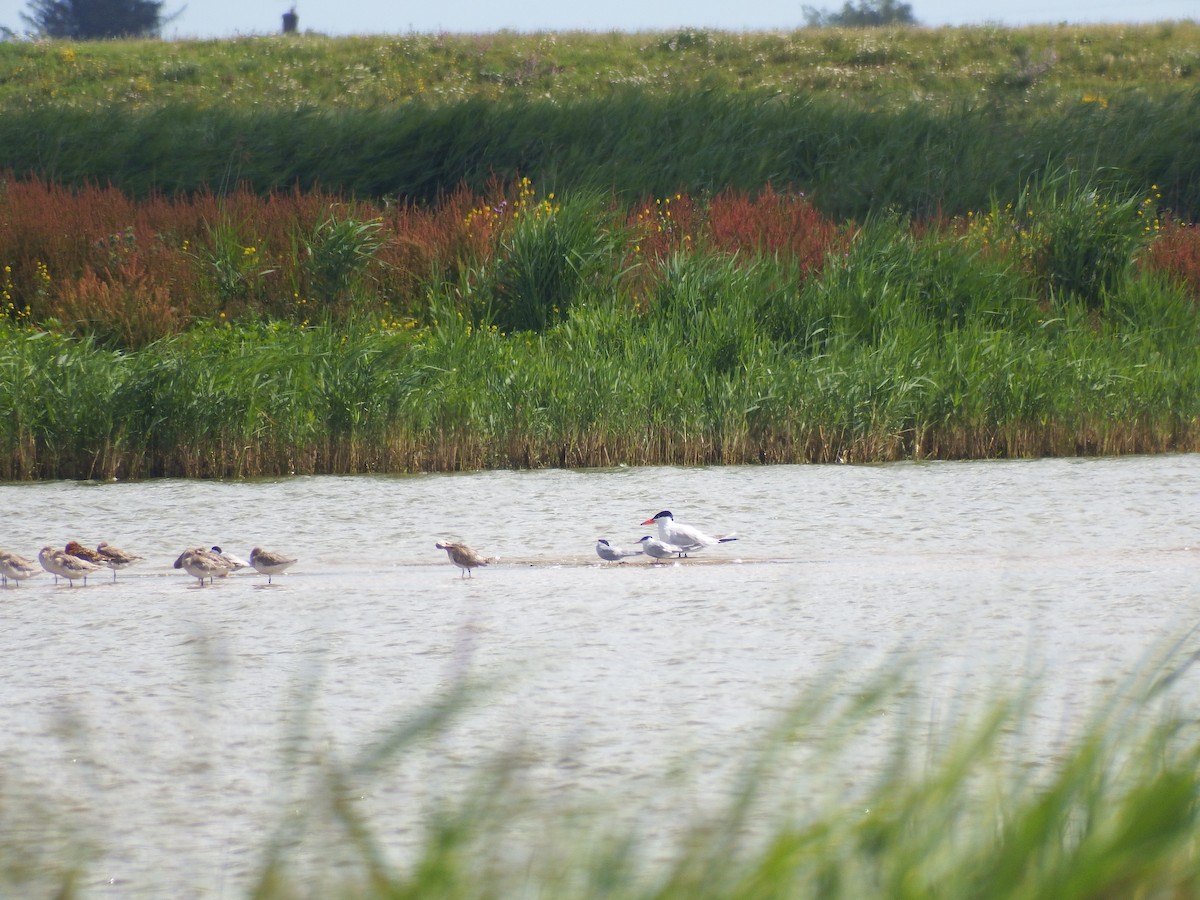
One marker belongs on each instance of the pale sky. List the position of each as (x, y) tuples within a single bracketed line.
[(228, 18)]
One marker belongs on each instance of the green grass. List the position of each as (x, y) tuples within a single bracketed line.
[(924, 121), (852, 162), (869, 67)]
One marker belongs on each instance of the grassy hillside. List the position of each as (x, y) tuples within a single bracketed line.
[(1039, 67)]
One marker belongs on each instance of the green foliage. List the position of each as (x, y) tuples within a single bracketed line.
[(336, 254), (543, 259), (906, 346), (231, 263), (1081, 239)]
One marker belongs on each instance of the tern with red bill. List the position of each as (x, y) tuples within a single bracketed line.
[(687, 538)]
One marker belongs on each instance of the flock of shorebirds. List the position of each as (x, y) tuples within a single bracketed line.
[(675, 541), (75, 561)]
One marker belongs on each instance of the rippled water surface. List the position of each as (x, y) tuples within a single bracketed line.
[(154, 716)]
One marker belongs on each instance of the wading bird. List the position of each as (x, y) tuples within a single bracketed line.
[(462, 556), (267, 563), (115, 558)]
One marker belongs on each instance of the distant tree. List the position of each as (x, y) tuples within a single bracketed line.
[(82, 20), (864, 14)]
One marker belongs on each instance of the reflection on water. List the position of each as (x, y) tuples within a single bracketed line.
[(154, 715)]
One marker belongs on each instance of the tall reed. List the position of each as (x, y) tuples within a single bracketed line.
[(913, 157), (557, 332)]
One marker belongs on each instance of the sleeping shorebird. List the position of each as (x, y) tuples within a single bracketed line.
[(201, 564), (612, 553), (462, 556), (115, 558), (76, 549), (267, 563), (16, 567), (70, 567), (687, 538)]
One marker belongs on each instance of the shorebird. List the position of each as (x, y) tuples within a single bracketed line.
[(115, 558), (660, 550), (58, 562), (235, 561), (686, 537), (267, 563), (16, 567), (76, 549), (462, 556), (611, 553), (201, 564)]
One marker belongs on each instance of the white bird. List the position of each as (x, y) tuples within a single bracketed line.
[(235, 561), (201, 564), (687, 537), (611, 553), (58, 562), (115, 558), (267, 563), (16, 567), (462, 556), (651, 546)]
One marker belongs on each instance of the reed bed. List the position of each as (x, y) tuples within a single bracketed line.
[(853, 162), (294, 334)]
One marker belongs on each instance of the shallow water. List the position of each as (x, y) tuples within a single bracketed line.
[(154, 716)]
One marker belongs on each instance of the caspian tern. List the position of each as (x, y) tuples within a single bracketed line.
[(16, 567), (687, 537), (267, 563), (652, 546), (115, 558), (607, 551), (462, 556)]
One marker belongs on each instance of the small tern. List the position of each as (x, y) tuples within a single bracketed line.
[(660, 550), (235, 561), (612, 553)]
